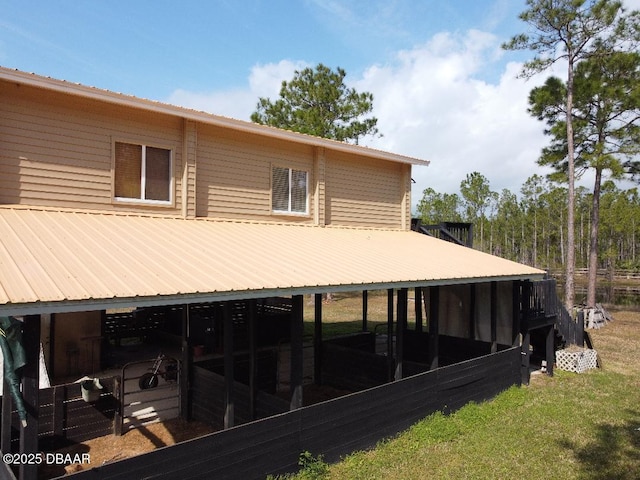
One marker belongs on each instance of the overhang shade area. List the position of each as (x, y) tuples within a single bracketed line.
[(66, 268), (63, 261)]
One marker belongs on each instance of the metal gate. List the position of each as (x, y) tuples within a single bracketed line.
[(150, 391)]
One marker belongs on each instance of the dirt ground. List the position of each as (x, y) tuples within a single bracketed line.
[(141, 440)]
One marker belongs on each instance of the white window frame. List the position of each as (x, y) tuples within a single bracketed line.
[(289, 196), (143, 167)]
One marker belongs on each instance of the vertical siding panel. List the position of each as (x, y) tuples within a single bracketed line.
[(190, 136), (406, 200), (319, 190)]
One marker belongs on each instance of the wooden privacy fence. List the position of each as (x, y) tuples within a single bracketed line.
[(208, 389), (65, 418), (332, 428)]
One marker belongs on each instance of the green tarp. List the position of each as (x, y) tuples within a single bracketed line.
[(14, 359)]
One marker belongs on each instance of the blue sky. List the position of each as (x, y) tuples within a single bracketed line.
[(151, 48), (443, 89)]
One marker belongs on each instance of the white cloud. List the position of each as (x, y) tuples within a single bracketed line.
[(631, 4), (431, 104), (264, 81)]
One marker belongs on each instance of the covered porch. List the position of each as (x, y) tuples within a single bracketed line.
[(452, 324)]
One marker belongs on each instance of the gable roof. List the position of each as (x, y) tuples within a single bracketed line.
[(57, 260), (68, 88)]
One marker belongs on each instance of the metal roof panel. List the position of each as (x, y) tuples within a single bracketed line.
[(64, 257)]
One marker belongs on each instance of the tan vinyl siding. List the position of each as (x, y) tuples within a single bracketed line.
[(58, 151), (234, 174), (363, 192)]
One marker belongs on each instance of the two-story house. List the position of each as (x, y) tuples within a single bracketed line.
[(109, 201)]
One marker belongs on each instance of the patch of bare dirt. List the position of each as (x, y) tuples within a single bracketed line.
[(147, 438), (135, 442)]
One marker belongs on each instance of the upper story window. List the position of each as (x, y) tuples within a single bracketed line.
[(142, 173), (289, 190)]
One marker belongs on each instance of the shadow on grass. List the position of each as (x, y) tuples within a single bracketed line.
[(614, 453)]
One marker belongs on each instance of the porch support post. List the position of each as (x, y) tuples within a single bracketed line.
[(297, 330), (472, 311), (30, 393), (494, 317), (186, 363), (390, 362), (5, 436), (365, 310), (252, 306), (526, 354), (403, 295), (515, 320), (317, 340), (526, 336), (550, 349), (418, 308), (229, 413), (434, 307)]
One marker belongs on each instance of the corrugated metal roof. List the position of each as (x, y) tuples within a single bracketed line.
[(56, 260)]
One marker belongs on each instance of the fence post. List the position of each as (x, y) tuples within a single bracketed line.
[(526, 336), (494, 317), (59, 408), (401, 326), (297, 352), (117, 416), (317, 336), (434, 313), (5, 441), (390, 362), (229, 397), (579, 329), (550, 351), (31, 393), (184, 368)]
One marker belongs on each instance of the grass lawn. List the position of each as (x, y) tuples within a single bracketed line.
[(571, 426)]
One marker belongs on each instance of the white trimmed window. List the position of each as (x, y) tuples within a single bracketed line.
[(289, 190), (142, 173)]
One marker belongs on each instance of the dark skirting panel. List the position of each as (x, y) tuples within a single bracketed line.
[(332, 429)]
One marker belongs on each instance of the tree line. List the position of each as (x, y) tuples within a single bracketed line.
[(531, 227), (591, 115)]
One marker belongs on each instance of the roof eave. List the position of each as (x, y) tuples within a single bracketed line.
[(37, 308)]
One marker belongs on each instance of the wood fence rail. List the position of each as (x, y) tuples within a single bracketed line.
[(64, 417)]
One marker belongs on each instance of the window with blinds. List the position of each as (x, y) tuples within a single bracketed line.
[(289, 190), (142, 173)]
